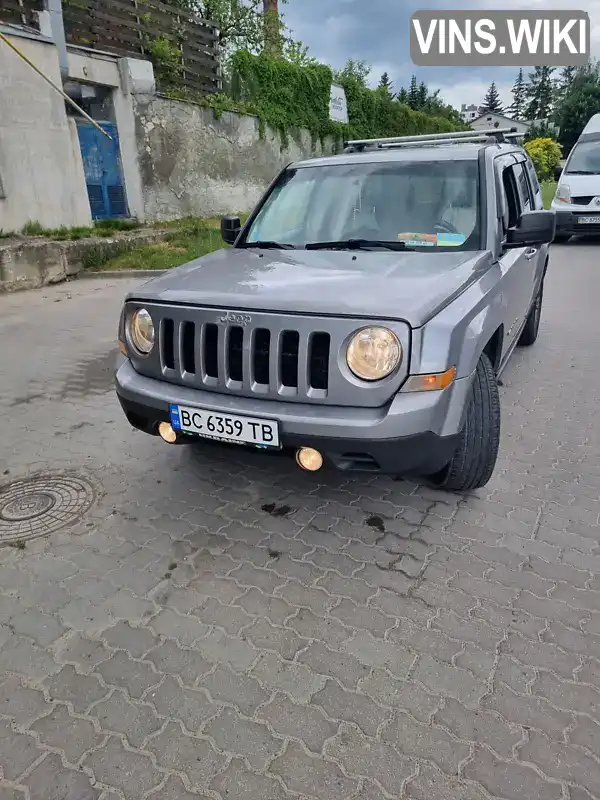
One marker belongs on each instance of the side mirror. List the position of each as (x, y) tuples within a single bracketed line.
[(557, 173), (230, 229), (534, 228)]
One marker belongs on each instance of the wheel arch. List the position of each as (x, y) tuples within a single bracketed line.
[(493, 348)]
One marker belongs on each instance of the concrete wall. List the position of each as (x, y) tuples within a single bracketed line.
[(40, 165), (192, 163)]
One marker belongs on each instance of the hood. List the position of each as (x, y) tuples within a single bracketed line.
[(582, 185), (375, 284)]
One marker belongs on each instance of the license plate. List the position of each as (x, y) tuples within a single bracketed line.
[(224, 427), (588, 220)]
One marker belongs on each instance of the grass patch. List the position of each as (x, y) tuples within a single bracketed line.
[(102, 227), (32, 228), (548, 191), (188, 239), (178, 248)]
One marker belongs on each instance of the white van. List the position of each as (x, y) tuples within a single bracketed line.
[(577, 198)]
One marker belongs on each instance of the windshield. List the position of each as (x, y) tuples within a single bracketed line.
[(585, 159), (433, 204)]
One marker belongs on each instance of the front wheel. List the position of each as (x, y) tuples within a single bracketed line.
[(475, 457)]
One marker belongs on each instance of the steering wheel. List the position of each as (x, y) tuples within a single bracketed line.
[(445, 227)]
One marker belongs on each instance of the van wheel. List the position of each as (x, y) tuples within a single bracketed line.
[(530, 332), (475, 457)]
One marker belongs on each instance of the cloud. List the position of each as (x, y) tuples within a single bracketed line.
[(377, 31)]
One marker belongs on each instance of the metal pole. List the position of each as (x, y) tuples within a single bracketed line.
[(63, 94), (54, 8)]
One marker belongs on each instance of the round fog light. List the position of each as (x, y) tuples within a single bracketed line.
[(309, 459), (167, 432)]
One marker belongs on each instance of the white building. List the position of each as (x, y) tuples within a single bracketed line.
[(469, 113), (492, 120)]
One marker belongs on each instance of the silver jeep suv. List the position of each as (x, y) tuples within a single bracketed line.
[(361, 317)]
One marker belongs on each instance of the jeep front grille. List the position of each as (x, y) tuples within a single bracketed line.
[(255, 359), (294, 358)]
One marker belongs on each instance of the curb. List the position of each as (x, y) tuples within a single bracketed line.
[(122, 273)]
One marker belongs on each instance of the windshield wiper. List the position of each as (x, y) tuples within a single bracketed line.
[(582, 172), (269, 245), (357, 244)]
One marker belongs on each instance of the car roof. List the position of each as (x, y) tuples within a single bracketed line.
[(442, 152), (592, 126)]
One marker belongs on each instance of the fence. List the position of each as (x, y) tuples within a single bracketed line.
[(134, 27), (184, 48), (20, 12)]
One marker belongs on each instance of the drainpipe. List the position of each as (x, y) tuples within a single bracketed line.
[(54, 8)]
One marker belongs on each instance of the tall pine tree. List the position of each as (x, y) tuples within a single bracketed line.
[(519, 95), (385, 83), (540, 93), (413, 93), (491, 101), (563, 85), (402, 96)]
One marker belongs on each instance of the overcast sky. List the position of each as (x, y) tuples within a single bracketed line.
[(378, 32)]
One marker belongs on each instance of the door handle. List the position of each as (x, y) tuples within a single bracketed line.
[(529, 254)]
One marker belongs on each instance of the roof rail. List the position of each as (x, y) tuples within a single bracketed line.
[(498, 135)]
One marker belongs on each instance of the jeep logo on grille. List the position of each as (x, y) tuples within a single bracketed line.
[(235, 319)]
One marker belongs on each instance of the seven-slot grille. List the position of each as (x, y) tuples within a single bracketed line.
[(242, 358)]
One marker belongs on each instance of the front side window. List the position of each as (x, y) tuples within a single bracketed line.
[(584, 159), (524, 189), (512, 200), (432, 204), (533, 178)]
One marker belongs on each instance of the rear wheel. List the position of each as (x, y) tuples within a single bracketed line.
[(475, 457), (530, 332)]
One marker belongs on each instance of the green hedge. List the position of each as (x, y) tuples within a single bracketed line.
[(286, 97)]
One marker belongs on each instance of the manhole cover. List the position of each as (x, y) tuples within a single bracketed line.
[(39, 505)]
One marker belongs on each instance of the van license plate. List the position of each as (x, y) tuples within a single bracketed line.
[(225, 427), (589, 220)]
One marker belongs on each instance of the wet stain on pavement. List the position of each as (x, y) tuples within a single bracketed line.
[(376, 523), (277, 511), (94, 376)]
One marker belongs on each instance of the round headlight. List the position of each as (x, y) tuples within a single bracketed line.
[(373, 353), (141, 331)]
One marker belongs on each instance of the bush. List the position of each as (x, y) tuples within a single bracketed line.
[(287, 96), (546, 155)]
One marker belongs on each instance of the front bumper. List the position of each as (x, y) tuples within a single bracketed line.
[(567, 225), (415, 433)]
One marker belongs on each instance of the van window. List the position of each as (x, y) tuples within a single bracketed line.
[(584, 159)]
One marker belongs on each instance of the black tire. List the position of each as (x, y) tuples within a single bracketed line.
[(475, 457), (530, 332), (561, 239)]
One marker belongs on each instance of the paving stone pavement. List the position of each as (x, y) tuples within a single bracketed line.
[(220, 625)]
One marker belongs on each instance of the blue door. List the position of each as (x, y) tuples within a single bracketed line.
[(102, 168)]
